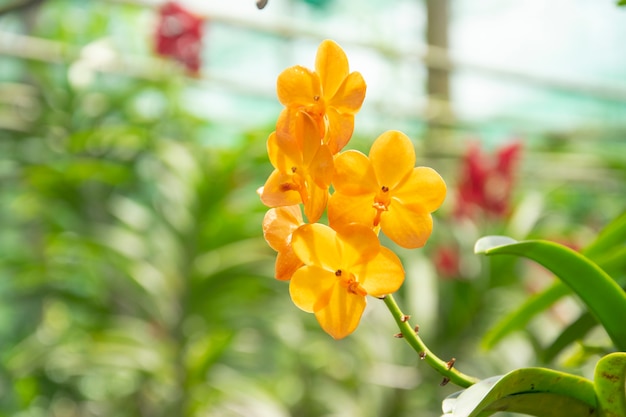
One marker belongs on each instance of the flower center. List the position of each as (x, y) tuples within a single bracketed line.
[(297, 183), (350, 283), (381, 203)]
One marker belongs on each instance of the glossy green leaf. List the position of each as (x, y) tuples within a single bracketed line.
[(534, 391), (610, 385), (608, 250), (603, 297)]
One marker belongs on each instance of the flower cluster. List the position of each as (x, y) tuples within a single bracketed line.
[(332, 268)]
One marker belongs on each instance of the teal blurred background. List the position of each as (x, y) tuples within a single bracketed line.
[(134, 279)]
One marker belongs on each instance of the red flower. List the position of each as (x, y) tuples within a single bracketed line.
[(486, 184), (447, 261), (179, 36)]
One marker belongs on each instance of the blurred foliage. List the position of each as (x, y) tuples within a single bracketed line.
[(134, 280), (121, 240)]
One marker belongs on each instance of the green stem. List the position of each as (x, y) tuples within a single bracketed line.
[(449, 372)]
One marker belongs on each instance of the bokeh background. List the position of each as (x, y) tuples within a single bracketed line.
[(134, 279)]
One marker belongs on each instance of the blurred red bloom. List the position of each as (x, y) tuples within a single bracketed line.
[(447, 261), (486, 183), (179, 36)]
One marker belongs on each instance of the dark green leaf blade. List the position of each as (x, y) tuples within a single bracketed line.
[(603, 297), (608, 250)]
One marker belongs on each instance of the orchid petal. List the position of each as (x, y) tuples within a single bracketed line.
[(316, 244), (331, 64), (424, 188), (308, 135), (350, 95), (287, 263), (322, 167), (297, 86), (382, 275), (359, 244), (406, 227), (340, 128), (392, 157), (316, 202), (276, 191), (286, 122), (342, 314), (344, 209), (279, 223), (283, 151), (310, 287), (354, 174)]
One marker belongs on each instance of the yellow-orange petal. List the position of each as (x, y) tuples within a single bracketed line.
[(316, 157), (354, 174), (278, 192), (382, 275), (392, 157), (298, 86), (287, 263), (407, 227), (286, 122), (423, 188), (344, 209), (278, 225), (358, 245), (283, 151), (316, 244), (350, 94), (317, 200), (322, 167), (310, 287), (331, 64), (308, 134), (342, 314), (340, 128)]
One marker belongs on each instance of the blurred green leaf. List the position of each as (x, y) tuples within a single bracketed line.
[(610, 237), (519, 318), (585, 322), (600, 293)]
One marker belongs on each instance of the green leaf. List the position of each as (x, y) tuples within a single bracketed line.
[(569, 335), (518, 319), (535, 391), (608, 250), (611, 237), (621, 3), (603, 297), (610, 384)]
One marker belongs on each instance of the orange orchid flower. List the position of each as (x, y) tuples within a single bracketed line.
[(278, 225), (340, 269), (386, 191), (331, 94), (303, 169)]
